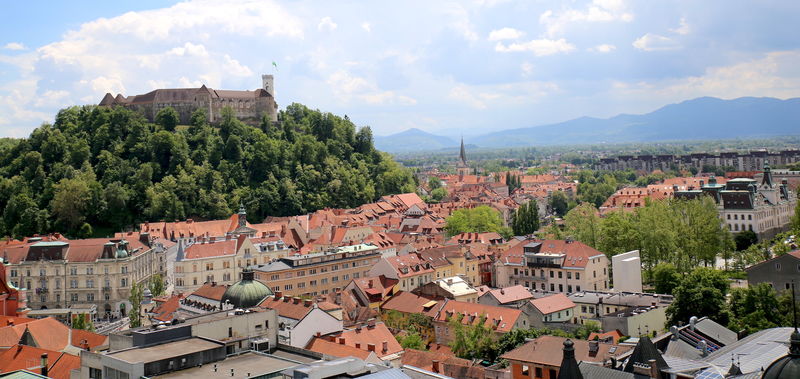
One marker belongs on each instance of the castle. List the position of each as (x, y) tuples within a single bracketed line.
[(249, 106)]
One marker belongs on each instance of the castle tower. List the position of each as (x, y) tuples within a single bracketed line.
[(268, 84)]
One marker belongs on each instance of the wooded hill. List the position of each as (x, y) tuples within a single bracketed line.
[(111, 168)]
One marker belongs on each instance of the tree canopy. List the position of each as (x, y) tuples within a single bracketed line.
[(479, 219), (110, 167)]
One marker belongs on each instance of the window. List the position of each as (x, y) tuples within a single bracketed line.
[(301, 285), (312, 283), (90, 271), (583, 308), (551, 274), (594, 273), (578, 276), (569, 275), (42, 298), (89, 283), (538, 372), (274, 277), (89, 297), (73, 283), (42, 272), (58, 284), (777, 266), (72, 271), (124, 282), (569, 288), (560, 288), (73, 297), (105, 270), (552, 287), (95, 373), (124, 269), (577, 288), (287, 287), (14, 273), (526, 371)]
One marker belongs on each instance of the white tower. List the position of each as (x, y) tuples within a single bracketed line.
[(268, 84)]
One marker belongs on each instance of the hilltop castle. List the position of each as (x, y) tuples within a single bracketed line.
[(249, 106)]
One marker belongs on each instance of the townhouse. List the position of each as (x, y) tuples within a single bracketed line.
[(411, 271)]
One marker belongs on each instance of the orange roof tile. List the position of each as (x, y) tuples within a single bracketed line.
[(376, 335), (287, 306), (553, 303), (211, 291), (511, 294), (501, 317), (22, 357), (211, 249), (324, 346)]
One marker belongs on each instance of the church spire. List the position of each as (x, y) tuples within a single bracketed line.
[(463, 154)]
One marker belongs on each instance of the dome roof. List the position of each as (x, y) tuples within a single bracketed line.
[(246, 293), (787, 366)]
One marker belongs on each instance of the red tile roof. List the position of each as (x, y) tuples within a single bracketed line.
[(211, 291), (577, 254), (211, 249), (501, 319), (376, 335), (409, 265), (22, 357), (510, 294), (324, 346), (289, 307), (548, 350), (407, 302), (553, 303)]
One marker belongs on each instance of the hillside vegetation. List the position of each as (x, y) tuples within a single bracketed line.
[(109, 167)]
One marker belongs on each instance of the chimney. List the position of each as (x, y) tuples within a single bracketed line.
[(502, 291), (263, 234), (385, 347), (307, 302), (370, 347), (278, 295), (44, 364), (435, 365), (653, 368), (227, 237), (319, 334), (341, 340), (10, 322), (370, 283), (296, 300)]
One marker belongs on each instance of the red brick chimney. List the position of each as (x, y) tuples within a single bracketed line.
[(370, 347), (385, 347), (278, 295), (435, 365)]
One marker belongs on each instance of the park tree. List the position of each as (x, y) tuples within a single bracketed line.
[(438, 194), (156, 285), (745, 239), (756, 308), (480, 219), (618, 233), (472, 341), (700, 293)]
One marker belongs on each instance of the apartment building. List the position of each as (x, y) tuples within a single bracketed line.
[(220, 260), (319, 273), (58, 272), (410, 270), (553, 265)]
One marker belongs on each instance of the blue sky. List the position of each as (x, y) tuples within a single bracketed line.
[(450, 67)]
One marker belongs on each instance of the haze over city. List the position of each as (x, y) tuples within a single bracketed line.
[(444, 67)]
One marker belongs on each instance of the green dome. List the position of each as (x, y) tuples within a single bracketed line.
[(787, 366), (246, 293)]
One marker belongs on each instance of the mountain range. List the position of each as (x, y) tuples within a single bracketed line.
[(704, 118)]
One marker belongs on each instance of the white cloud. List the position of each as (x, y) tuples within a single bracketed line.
[(484, 96), (655, 42), (683, 28), (14, 46), (51, 98), (189, 49), (460, 21), (366, 26), (326, 24), (604, 48), (527, 69), (556, 22), (233, 67), (348, 87), (505, 33), (539, 47)]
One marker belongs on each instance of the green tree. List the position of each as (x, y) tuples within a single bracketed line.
[(701, 292), (411, 341), (156, 285), (434, 183), (168, 118), (71, 203), (85, 231), (438, 194), (135, 298), (480, 219), (525, 220), (472, 341), (559, 203), (756, 308), (665, 278), (745, 239), (618, 233), (583, 223)]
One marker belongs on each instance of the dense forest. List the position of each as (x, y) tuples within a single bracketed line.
[(109, 168)]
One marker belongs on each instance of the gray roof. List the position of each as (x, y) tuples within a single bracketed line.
[(755, 351), (589, 370), (682, 349), (716, 331)]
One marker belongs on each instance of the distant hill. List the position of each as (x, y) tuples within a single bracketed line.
[(698, 119), (412, 140)]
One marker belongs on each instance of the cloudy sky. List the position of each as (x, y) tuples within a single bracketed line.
[(461, 67)]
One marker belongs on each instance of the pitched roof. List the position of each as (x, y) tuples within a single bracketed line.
[(576, 253), (501, 319), (289, 307), (407, 302), (324, 346), (553, 303), (93, 340), (547, 350), (409, 265), (510, 294), (211, 291), (376, 335), (22, 357), (424, 359), (166, 310), (644, 351), (211, 249), (376, 286)]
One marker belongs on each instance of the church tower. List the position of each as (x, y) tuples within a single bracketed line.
[(461, 166)]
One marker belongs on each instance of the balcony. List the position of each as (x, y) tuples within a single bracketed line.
[(42, 290), (106, 289)]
